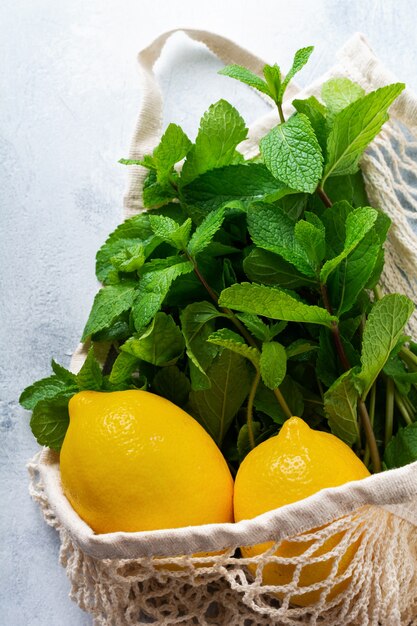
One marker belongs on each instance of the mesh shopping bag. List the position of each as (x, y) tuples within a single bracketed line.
[(361, 536)]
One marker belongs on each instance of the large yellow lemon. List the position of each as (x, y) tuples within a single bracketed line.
[(133, 461), (295, 464)]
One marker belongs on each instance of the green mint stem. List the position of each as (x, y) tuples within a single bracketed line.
[(282, 402), (409, 406), (249, 409), (324, 197), (372, 403), (370, 436), (203, 281), (363, 411), (228, 312), (377, 292), (389, 410), (281, 112), (339, 346), (402, 408), (241, 328), (335, 330), (409, 357)]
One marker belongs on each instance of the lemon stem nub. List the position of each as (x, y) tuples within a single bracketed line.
[(249, 409)]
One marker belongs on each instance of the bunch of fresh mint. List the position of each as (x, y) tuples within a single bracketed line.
[(249, 290)]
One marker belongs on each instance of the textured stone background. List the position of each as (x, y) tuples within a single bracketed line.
[(69, 98)]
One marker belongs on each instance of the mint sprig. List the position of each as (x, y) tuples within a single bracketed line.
[(249, 289)]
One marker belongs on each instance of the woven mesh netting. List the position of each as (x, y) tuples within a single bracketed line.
[(360, 569), (390, 172)]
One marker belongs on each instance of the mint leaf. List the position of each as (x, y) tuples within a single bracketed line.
[(245, 76), (358, 269), (171, 383), (271, 229), (50, 419), (216, 407), (256, 326), (340, 188), (402, 449), (353, 274), (162, 343), (261, 266), (204, 233), (153, 289), (63, 374), (123, 368), (293, 204), (380, 231), (156, 194), (216, 249), (300, 348), (383, 328), (246, 183), (188, 288), (108, 304), (197, 324), (349, 326), (395, 369), (271, 302), (358, 224), (334, 219), (221, 130), (301, 57), (310, 235), (327, 363), (359, 195), (118, 331), (45, 389), (355, 127), (293, 155), (316, 113), (338, 93), (173, 147), (160, 263), (310, 105), (272, 75), (228, 274), (340, 405), (129, 259), (266, 402), (243, 443), (134, 231), (273, 364), (226, 338), (90, 376), (167, 229)]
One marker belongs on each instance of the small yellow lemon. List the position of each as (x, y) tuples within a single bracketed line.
[(133, 461), (295, 464)]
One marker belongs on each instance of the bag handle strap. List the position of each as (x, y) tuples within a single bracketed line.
[(148, 128)]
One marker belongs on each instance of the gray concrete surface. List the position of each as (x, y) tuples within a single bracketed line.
[(69, 98)]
